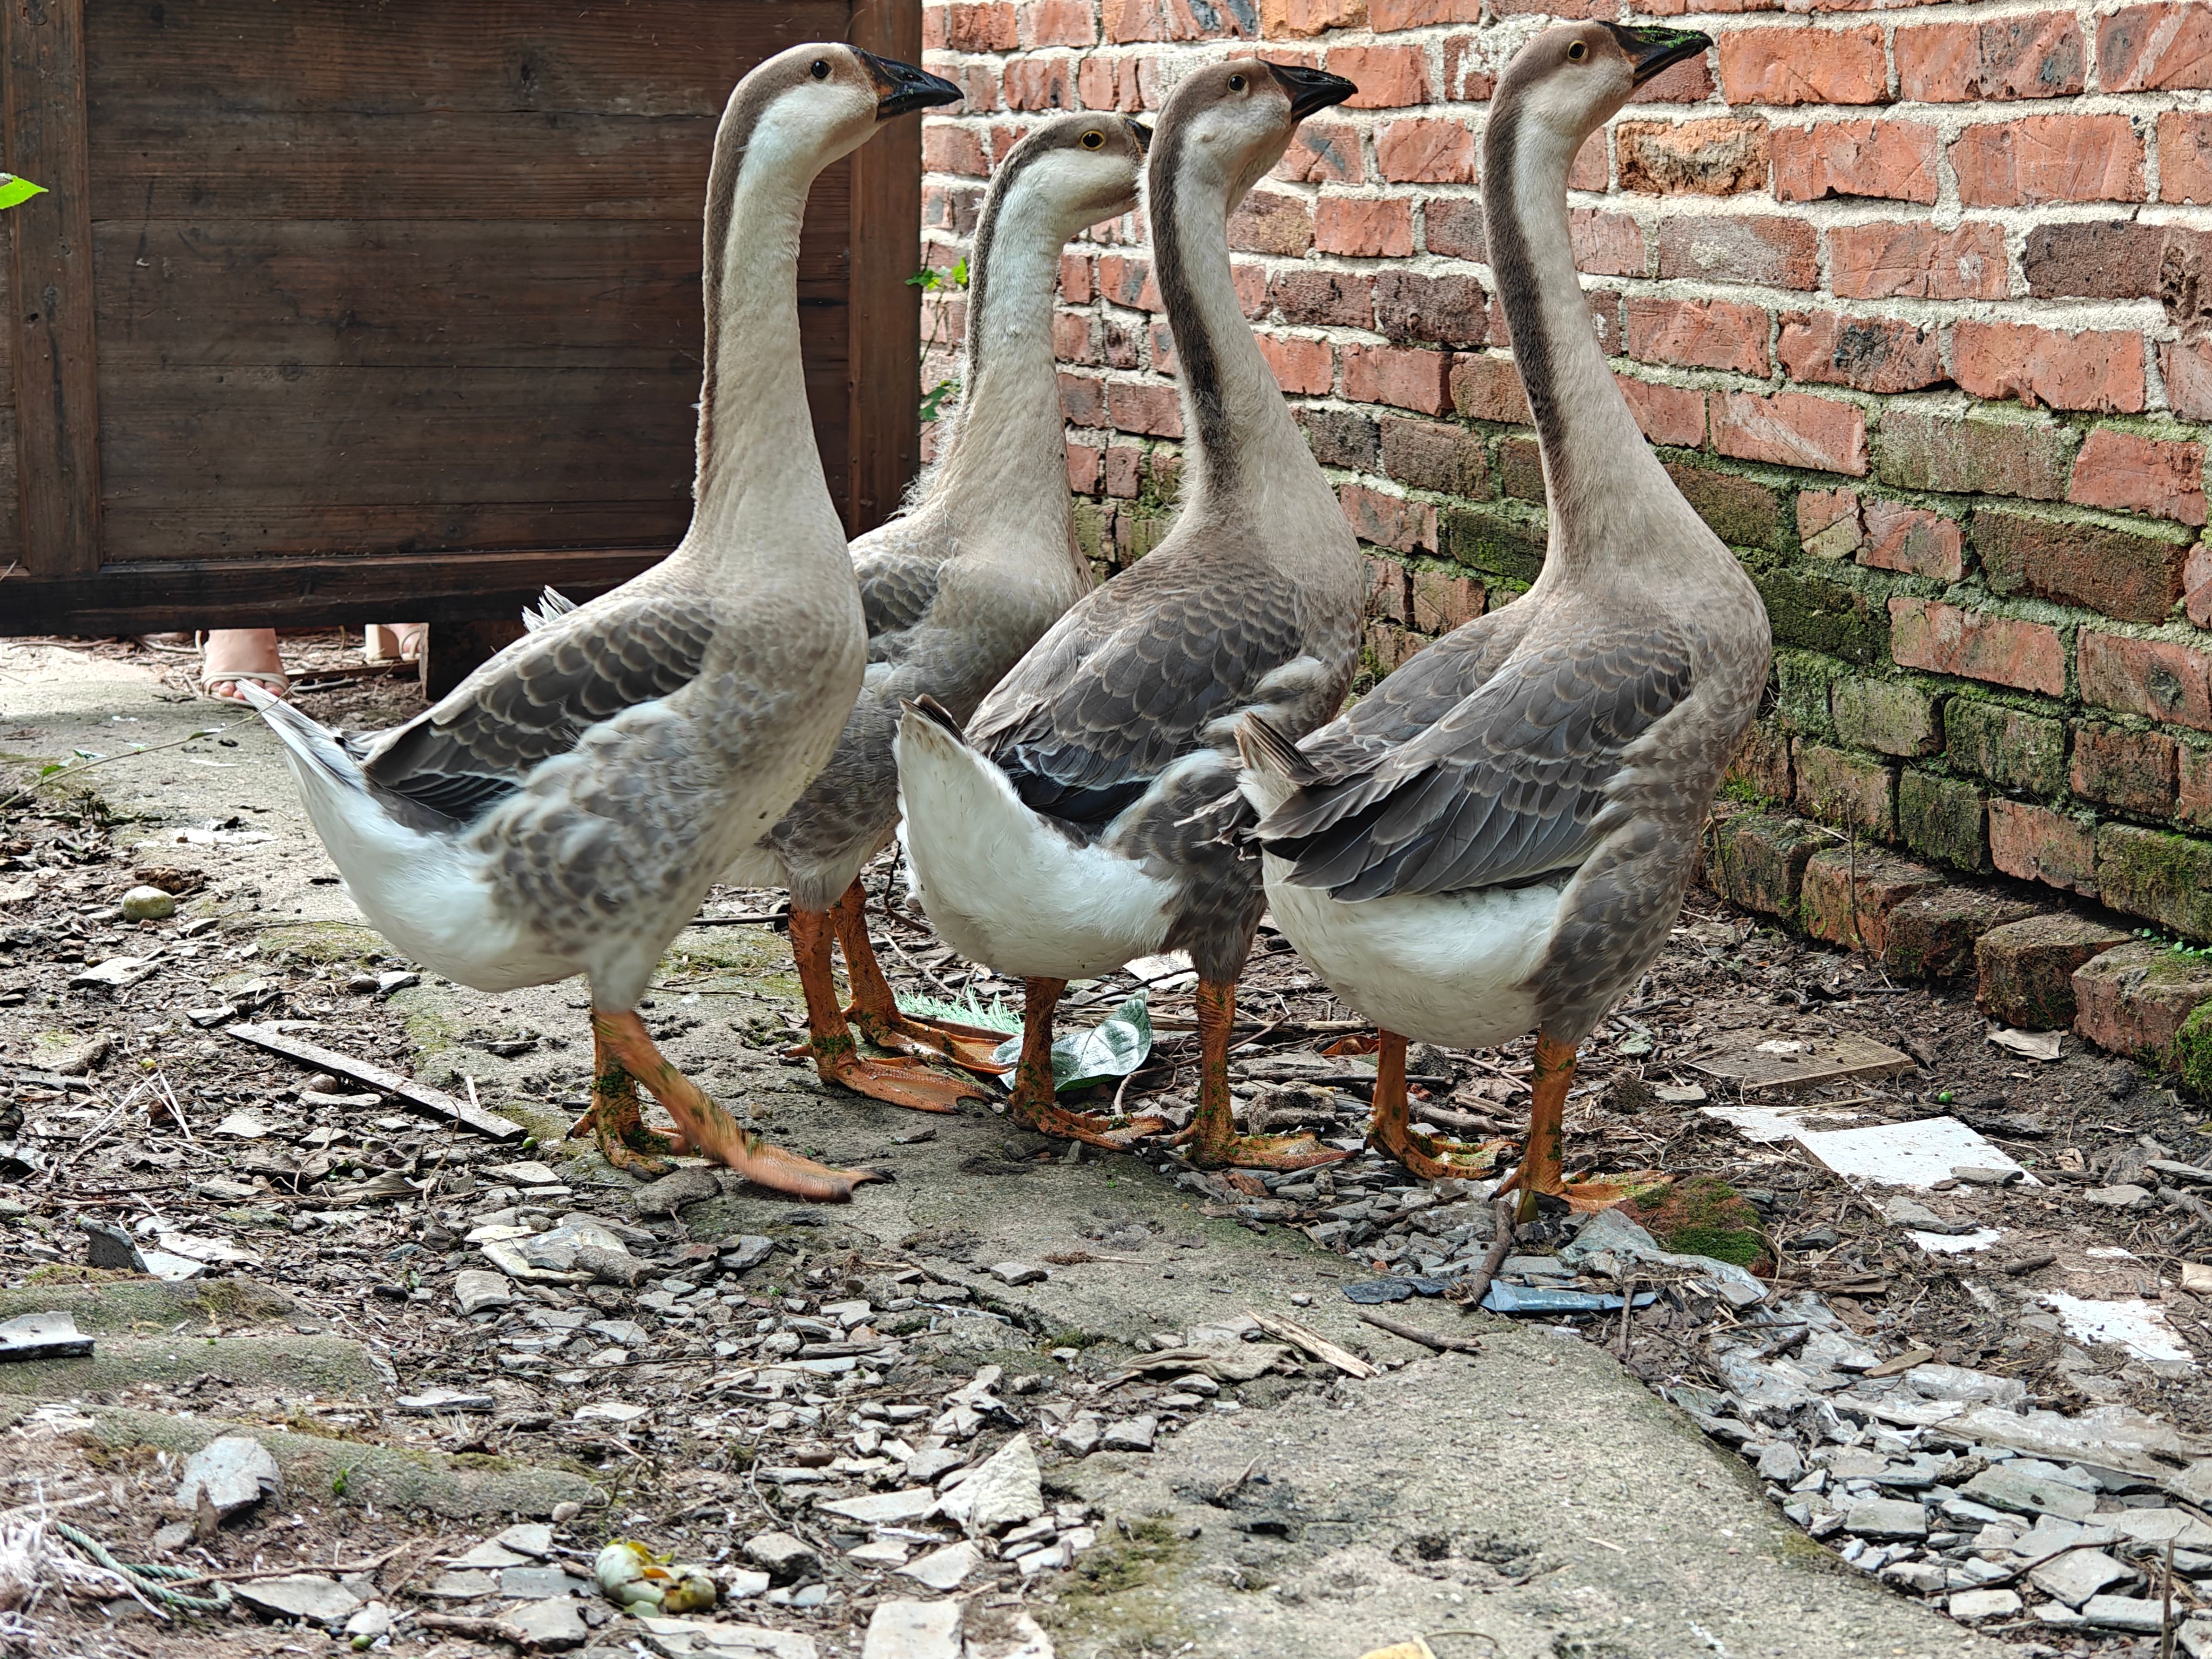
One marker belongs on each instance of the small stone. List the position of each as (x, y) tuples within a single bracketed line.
[(2125, 1196), (1974, 1175), (208, 1018), (233, 1473), (784, 1558), (489, 1554), (1131, 1434), (475, 1289), (2076, 1575), (914, 1630), (371, 1622), (1005, 1489), (1918, 1218), (2024, 1491), (1886, 1518), (883, 1509), (1922, 1577), (465, 1584), (1969, 1606), (528, 1173), (310, 1596), (745, 1252), (2127, 1613), (879, 1553), (530, 1583), (743, 1583), (397, 979), (546, 1626), (433, 1400), (1080, 1436), (673, 1191), (1017, 1273), (1780, 1463), (945, 1568)]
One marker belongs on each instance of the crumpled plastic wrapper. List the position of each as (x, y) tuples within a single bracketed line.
[(632, 1577)]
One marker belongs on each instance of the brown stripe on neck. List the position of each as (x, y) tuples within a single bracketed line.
[(979, 258), (1197, 359), (733, 138), (1517, 289)]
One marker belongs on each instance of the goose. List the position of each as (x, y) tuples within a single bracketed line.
[(1497, 839), (955, 591), (565, 808), (1076, 822)]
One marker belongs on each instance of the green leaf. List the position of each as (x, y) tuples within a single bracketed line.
[(934, 402), (14, 191), (1113, 1048)]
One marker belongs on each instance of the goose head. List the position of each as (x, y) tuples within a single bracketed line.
[(1569, 82), (1072, 171), (811, 105), (1227, 124)]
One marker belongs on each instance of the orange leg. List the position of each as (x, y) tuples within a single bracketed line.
[(1540, 1163), (1429, 1156), (1212, 1139), (709, 1129), (614, 1118), (837, 1057), (1036, 1104), (875, 1012)]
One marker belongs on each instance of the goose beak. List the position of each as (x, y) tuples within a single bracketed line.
[(1310, 89), (1142, 133), (901, 88), (1654, 51)]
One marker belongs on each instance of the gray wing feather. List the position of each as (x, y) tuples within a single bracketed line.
[(1507, 786)]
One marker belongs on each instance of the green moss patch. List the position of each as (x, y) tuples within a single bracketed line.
[(1704, 1215), (2192, 1053)]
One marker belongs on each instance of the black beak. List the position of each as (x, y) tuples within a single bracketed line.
[(1141, 133), (901, 88), (1654, 51), (1310, 89)]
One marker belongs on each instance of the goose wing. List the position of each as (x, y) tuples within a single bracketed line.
[(539, 697), (1506, 787), (1131, 679), (1414, 696), (899, 586)]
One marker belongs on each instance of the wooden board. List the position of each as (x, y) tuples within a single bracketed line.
[(1793, 1061)]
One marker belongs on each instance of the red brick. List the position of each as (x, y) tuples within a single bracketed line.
[(1313, 296), (1918, 261), (2193, 801), (1467, 75), (1304, 19), (1056, 23), (1485, 388), (1127, 280), (1844, 789), (1757, 860), (2184, 156), (2197, 585), (2034, 843), (1589, 171), (1439, 455), (1083, 400), (1828, 523), (1128, 21), (1698, 334), (1690, 82), (978, 83), (2133, 474), (1389, 522), (1762, 765), (1917, 543), (1718, 155), (2133, 999), (1322, 153), (2040, 55), (1605, 244), (1427, 150), (1388, 77), (988, 27), (1932, 935), (1302, 367), (2117, 259), (1848, 899), (2101, 370), (1399, 376), (2024, 970), (1151, 409), (1077, 280), (2154, 48), (1444, 310), (2120, 572), (1673, 415), (1788, 429), (2049, 158), (2131, 770), (1387, 17), (1442, 602), (1268, 222), (1072, 340), (1452, 226), (1085, 463), (1892, 159), (1873, 354), (1105, 82), (1362, 227), (1124, 470), (1945, 639), (1162, 341), (948, 149), (1804, 66), (2163, 678), (1040, 84), (1771, 250)]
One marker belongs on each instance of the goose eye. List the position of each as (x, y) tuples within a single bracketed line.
[(1577, 51), (819, 68), (1236, 83), (1092, 140)]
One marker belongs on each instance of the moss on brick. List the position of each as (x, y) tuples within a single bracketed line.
[(1847, 790), (2192, 1053), (1818, 613), (2164, 878), (1742, 512), (1493, 540), (1945, 819), (1989, 451), (1801, 680), (2010, 748), (1893, 717), (2134, 574), (1704, 1216)]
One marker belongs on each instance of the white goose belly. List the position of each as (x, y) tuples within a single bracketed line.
[(1454, 969)]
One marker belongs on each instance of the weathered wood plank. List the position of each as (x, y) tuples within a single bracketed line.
[(133, 597), (665, 58), (56, 410), (405, 1089), (881, 409)]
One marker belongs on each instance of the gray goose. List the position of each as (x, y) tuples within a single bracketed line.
[(954, 592), (567, 806), (1079, 822), (1497, 839)]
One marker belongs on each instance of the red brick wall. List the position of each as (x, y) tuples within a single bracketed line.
[(1918, 309)]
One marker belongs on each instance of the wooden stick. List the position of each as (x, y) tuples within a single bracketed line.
[(1415, 1334), (1494, 1258), (406, 1090), (1313, 1342)]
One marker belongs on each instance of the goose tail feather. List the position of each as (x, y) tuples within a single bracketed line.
[(1273, 768)]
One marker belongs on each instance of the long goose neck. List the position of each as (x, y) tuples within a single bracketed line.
[(1008, 453), (1240, 444), (757, 447), (1599, 474)]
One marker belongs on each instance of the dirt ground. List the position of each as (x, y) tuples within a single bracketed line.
[(1001, 1287)]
